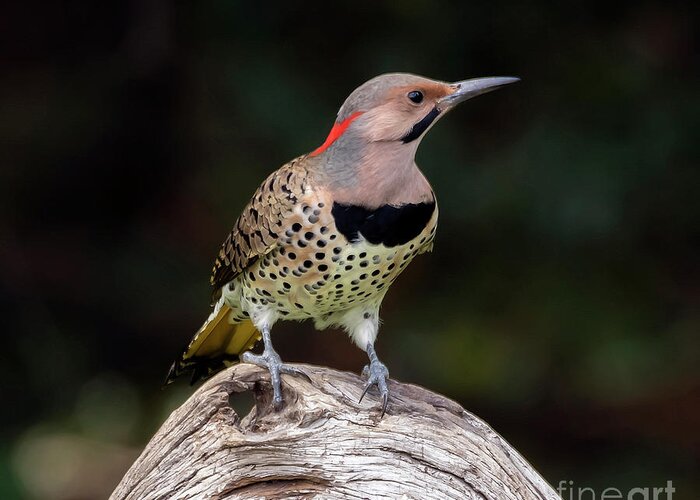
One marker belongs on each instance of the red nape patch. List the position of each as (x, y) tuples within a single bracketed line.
[(337, 130)]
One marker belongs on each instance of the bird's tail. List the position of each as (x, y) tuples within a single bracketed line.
[(216, 345)]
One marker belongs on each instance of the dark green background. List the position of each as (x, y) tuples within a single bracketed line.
[(560, 303)]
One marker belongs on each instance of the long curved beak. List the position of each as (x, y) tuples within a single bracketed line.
[(467, 89)]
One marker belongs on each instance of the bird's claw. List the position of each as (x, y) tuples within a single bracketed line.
[(377, 374), (271, 360), (293, 370)]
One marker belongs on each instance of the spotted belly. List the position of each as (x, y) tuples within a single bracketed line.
[(319, 269)]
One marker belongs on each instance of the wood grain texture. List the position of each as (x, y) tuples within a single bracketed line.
[(324, 444)]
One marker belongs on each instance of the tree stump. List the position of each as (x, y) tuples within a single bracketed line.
[(324, 444)]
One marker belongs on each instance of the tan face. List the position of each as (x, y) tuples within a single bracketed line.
[(377, 132), (402, 109)]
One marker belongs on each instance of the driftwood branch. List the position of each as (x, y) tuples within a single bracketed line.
[(324, 444)]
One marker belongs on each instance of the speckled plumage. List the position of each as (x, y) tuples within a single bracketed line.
[(325, 236), (261, 224), (286, 259), (307, 269)]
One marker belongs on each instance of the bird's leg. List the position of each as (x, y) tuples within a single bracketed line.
[(377, 374), (271, 360)]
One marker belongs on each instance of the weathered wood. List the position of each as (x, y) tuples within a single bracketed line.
[(324, 444)]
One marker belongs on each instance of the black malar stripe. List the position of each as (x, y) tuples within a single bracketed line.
[(421, 126)]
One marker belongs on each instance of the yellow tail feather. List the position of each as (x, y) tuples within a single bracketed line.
[(215, 346)]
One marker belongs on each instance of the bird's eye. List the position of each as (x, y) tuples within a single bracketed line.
[(415, 96)]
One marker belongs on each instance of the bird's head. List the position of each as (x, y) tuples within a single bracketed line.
[(400, 108)]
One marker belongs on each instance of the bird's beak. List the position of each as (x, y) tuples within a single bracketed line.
[(471, 88)]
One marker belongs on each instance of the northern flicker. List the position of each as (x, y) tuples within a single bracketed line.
[(325, 236)]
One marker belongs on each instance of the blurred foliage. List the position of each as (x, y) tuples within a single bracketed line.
[(560, 303)]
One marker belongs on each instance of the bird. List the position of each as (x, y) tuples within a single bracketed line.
[(325, 235)]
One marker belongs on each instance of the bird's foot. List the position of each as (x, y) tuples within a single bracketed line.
[(271, 360), (377, 374)]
